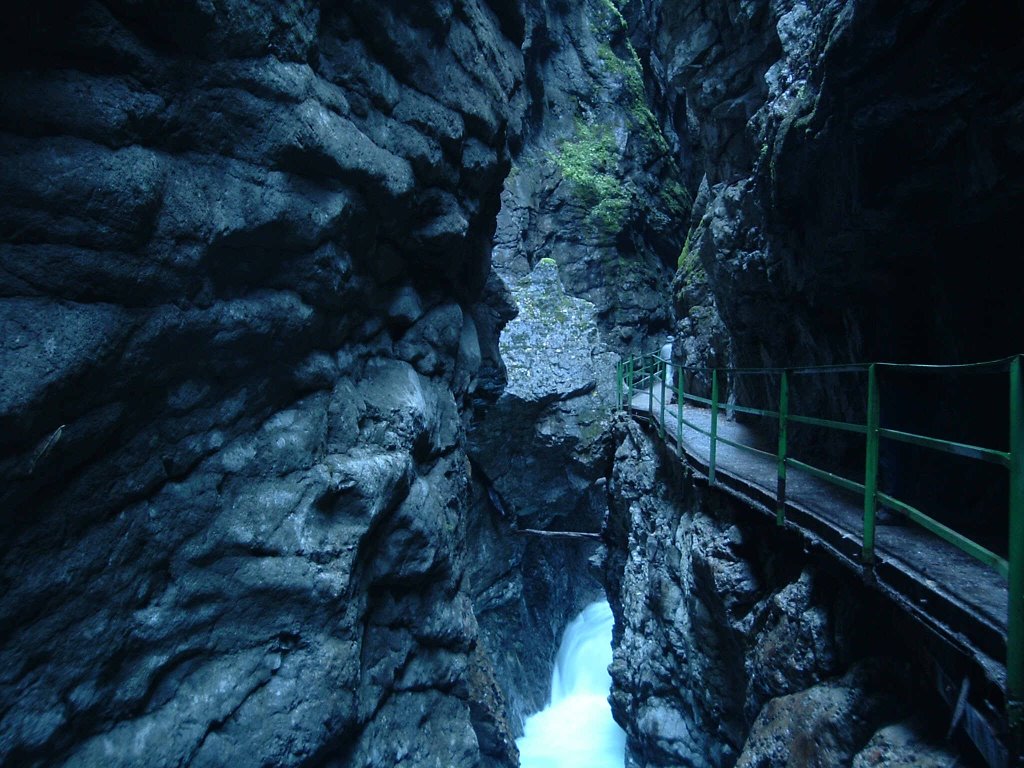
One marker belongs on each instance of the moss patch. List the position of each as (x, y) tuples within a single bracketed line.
[(674, 200), (689, 264), (590, 161), (608, 18)]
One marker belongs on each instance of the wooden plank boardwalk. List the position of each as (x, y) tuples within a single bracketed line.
[(950, 592)]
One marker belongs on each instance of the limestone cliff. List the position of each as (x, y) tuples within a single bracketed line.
[(736, 645), (243, 249), (853, 166), (308, 306), (592, 218), (858, 162)]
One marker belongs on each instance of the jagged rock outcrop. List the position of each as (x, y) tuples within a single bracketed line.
[(540, 454), (243, 249), (855, 156), (734, 646), (261, 458), (595, 186), (855, 165), (541, 444), (587, 236)]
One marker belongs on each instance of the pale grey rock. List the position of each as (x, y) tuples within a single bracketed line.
[(902, 745), (826, 724)]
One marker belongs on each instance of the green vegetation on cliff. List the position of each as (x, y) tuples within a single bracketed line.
[(690, 264), (644, 126), (590, 161)]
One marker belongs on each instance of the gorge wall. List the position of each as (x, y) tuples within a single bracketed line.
[(855, 166), (244, 252), (860, 160), (308, 307), (249, 313), (736, 644), (585, 246)]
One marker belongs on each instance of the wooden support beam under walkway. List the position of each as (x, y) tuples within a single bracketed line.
[(588, 535)]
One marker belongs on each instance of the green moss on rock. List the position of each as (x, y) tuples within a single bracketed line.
[(689, 264), (590, 162)]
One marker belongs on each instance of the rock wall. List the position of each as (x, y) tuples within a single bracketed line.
[(734, 645), (591, 223), (269, 420), (855, 166), (587, 236), (244, 247), (246, 272), (859, 161)]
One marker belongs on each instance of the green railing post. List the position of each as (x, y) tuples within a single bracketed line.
[(871, 468), (714, 426), (679, 409), (1015, 623), (780, 509), (663, 367)]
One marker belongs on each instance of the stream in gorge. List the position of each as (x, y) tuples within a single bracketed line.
[(576, 728)]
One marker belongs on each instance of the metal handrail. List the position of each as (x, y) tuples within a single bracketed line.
[(643, 373)]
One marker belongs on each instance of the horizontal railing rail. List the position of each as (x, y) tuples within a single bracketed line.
[(650, 377)]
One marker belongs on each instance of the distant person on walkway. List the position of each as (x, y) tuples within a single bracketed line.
[(666, 354)]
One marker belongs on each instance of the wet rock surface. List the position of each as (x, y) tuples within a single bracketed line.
[(270, 421), (854, 165), (585, 241), (734, 646), (825, 724), (542, 445), (904, 744), (242, 253), (847, 153)]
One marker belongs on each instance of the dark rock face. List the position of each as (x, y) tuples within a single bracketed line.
[(540, 458), (860, 161), (855, 163), (734, 647), (242, 255), (268, 418), (596, 187), (587, 236)]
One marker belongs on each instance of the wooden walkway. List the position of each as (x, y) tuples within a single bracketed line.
[(962, 599)]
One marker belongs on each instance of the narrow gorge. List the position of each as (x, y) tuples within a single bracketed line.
[(315, 313)]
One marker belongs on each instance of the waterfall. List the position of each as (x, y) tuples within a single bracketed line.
[(576, 729)]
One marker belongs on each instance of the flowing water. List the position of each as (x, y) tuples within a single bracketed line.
[(576, 729)]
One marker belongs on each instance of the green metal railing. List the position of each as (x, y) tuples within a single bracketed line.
[(639, 377)]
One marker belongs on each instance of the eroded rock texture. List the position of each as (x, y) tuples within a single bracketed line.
[(263, 449), (590, 227), (860, 160), (243, 248), (857, 167), (733, 646)]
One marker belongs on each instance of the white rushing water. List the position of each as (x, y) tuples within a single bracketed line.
[(576, 729)]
